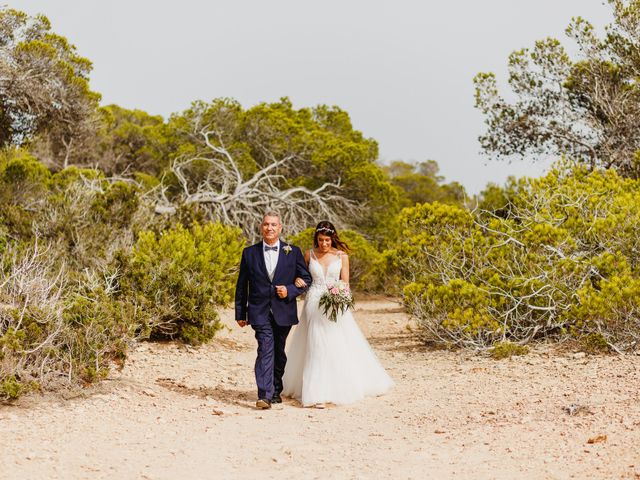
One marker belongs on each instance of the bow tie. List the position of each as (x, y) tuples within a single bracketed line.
[(267, 248)]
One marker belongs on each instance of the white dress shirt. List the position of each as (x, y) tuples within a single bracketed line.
[(271, 258)]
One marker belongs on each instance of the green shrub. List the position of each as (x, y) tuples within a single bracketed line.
[(3, 240), (180, 277), (87, 217), (116, 205), (11, 388), (561, 258), (503, 350), (22, 176), (595, 343), (55, 333), (99, 329), (24, 183)]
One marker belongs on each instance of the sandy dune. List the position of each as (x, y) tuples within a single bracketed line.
[(179, 413)]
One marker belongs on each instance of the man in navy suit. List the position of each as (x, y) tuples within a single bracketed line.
[(266, 300)]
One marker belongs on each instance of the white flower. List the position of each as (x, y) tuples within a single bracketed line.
[(287, 249)]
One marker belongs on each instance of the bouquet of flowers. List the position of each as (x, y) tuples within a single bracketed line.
[(336, 299)]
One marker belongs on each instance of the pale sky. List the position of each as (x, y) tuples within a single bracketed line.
[(403, 69)]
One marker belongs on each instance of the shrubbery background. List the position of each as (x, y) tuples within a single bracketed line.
[(558, 257), (118, 226)]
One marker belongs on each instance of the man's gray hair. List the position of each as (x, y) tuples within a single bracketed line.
[(271, 213)]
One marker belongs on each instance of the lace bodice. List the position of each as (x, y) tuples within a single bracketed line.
[(320, 277)]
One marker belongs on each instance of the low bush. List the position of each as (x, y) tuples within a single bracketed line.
[(179, 278), (55, 333), (560, 257), (503, 350), (82, 275), (595, 343)]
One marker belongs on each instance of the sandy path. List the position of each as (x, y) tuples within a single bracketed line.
[(188, 413)]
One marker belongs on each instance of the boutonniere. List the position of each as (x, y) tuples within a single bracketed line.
[(286, 249)]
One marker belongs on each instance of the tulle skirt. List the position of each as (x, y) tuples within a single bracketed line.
[(331, 362)]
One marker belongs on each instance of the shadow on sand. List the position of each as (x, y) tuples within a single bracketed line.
[(230, 396), (398, 342)]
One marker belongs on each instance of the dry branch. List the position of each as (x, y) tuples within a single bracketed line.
[(229, 195)]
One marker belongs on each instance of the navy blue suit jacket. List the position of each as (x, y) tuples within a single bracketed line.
[(256, 294)]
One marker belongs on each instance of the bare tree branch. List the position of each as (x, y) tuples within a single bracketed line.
[(232, 197)]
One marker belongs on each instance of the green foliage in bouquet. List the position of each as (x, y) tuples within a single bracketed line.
[(336, 300), (180, 277), (559, 256)]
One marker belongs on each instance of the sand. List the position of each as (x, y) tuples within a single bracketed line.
[(182, 413)]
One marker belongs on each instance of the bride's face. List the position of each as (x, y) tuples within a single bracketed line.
[(324, 243)]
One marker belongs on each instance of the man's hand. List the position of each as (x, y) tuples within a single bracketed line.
[(242, 323), (281, 291)]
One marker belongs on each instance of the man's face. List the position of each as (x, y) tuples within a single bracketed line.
[(271, 228)]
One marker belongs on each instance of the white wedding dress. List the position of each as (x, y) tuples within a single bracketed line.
[(330, 362)]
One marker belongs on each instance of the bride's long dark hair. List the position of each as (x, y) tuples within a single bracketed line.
[(326, 228)]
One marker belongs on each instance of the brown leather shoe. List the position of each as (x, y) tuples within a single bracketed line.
[(263, 404)]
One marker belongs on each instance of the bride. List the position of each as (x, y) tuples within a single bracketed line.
[(330, 362)]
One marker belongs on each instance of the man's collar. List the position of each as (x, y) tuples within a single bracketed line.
[(277, 244)]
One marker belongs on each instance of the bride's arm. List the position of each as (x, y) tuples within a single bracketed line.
[(300, 283), (344, 271)]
